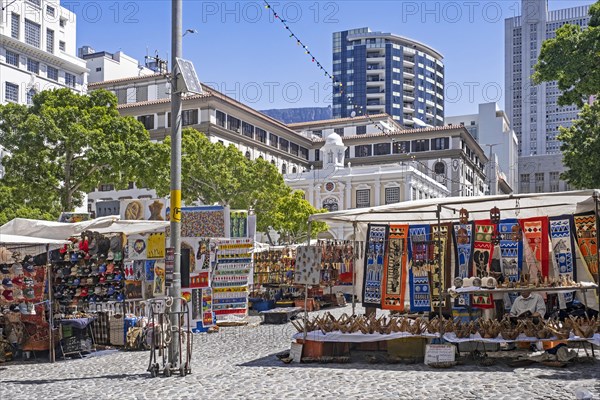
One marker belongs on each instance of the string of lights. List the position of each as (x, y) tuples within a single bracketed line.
[(313, 58)]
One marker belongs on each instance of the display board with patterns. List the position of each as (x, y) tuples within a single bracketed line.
[(511, 249), (535, 236), (440, 263), (395, 272), (585, 226), (308, 265), (337, 262), (231, 277), (421, 252), (375, 251)]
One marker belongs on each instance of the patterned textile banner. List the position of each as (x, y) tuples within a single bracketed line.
[(238, 224), (535, 234), (440, 263), (463, 253), (585, 225), (376, 245), (421, 253), (483, 250), (395, 272), (561, 237), (511, 251)]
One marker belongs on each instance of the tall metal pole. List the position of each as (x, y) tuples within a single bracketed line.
[(175, 215)]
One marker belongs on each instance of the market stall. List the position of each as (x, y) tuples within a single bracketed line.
[(417, 253)]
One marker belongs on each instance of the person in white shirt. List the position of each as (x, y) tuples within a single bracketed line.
[(528, 305)]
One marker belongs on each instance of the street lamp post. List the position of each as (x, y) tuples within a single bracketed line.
[(175, 203)]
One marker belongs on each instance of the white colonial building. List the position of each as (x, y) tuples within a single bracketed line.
[(38, 50), (339, 186)]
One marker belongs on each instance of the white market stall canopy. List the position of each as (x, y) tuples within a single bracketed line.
[(511, 206), (61, 230)]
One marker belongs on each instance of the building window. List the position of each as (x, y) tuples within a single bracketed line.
[(330, 204), (361, 130), (304, 153), (414, 193), (248, 155), (63, 22), (49, 40), (362, 151), (221, 118), (524, 183), (52, 73), (273, 139), (233, 124), (283, 144), (339, 131), (317, 155), (189, 117), (401, 147), (106, 188), (382, 149), (539, 182), (283, 169), (440, 143), (50, 11), (248, 130), (439, 168), (61, 45), (420, 145), (294, 149), (69, 79), (11, 92), (36, 2), (32, 33), (15, 25), (12, 58), (318, 133), (363, 198), (261, 135), (392, 195), (30, 93), (147, 121), (33, 66)]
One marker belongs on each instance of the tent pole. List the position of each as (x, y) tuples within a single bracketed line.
[(51, 353), (306, 286), (354, 270), (595, 196), (441, 266)]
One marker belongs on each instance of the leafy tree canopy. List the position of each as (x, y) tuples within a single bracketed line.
[(573, 59), (291, 218), (66, 144)]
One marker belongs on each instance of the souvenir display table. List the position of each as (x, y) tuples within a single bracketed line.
[(358, 337)]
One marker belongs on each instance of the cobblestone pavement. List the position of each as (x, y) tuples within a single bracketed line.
[(240, 363)]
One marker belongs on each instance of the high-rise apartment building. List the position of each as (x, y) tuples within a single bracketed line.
[(533, 109), (38, 50), (385, 73)]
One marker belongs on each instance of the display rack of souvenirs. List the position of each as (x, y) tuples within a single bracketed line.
[(88, 270), (274, 267), (337, 262)]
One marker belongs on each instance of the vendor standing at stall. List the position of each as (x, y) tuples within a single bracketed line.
[(528, 305)]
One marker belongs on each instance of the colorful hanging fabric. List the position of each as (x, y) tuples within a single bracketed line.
[(561, 237), (511, 250), (376, 244), (585, 226), (482, 258), (395, 272), (440, 265), (535, 234), (421, 253), (463, 253)]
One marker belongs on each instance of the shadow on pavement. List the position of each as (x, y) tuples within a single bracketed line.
[(46, 381)]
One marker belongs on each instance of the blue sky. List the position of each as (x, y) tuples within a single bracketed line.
[(241, 50)]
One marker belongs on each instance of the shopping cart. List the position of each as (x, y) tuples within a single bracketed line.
[(160, 333)]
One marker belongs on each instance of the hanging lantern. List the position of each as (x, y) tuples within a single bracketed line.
[(462, 236), (463, 217), (495, 215), (517, 233), (495, 238)]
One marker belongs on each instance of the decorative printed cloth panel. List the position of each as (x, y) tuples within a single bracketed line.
[(511, 251), (376, 246), (395, 272), (585, 226), (420, 287), (483, 250), (561, 237), (463, 254), (440, 264), (535, 234)]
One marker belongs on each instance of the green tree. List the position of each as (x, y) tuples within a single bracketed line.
[(573, 59), (66, 144), (581, 148), (291, 218), (9, 209)]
